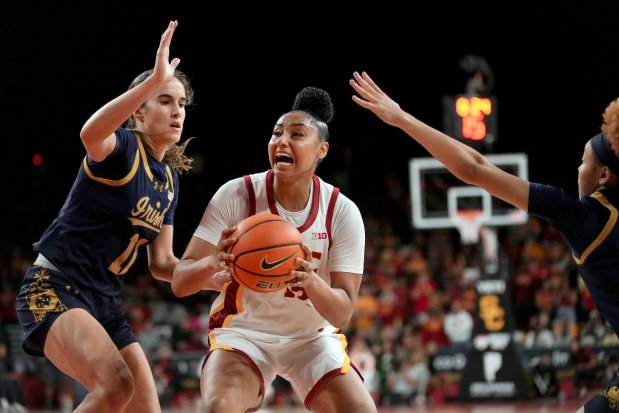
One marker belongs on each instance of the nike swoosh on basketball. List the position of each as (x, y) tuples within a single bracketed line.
[(265, 265)]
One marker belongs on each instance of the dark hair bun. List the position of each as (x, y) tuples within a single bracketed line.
[(316, 102)]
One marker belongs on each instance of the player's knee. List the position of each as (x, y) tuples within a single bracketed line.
[(119, 390), (222, 404), (363, 406), (349, 402)]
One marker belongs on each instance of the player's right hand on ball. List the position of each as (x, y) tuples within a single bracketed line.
[(221, 278)]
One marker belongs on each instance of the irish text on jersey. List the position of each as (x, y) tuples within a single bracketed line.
[(147, 215)]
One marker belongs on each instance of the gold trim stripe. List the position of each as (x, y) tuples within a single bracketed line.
[(144, 158), (170, 179), (111, 182), (137, 222), (612, 221), (346, 364)]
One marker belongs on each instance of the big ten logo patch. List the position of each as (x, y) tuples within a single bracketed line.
[(319, 235)]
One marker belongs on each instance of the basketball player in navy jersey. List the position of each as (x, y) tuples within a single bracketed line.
[(588, 223), (122, 201), (294, 332)]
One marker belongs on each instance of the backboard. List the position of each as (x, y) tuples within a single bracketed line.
[(437, 195)]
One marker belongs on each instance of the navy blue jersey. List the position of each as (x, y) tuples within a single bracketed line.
[(589, 227), (115, 207)]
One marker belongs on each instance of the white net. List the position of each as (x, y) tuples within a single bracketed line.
[(468, 222)]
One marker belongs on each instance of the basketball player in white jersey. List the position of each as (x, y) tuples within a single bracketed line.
[(294, 332)]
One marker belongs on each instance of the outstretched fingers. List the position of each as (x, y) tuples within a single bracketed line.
[(366, 81), (371, 97), (366, 88), (167, 35), (166, 38), (163, 67)]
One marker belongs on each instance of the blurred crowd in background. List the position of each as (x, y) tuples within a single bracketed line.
[(417, 302)]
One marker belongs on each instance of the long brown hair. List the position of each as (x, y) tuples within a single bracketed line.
[(175, 153)]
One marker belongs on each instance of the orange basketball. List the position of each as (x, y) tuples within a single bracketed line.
[(265, 252)]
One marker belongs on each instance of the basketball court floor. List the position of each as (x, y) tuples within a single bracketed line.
[(535, 406)]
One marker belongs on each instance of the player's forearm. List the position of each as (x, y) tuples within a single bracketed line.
[(460, 159), (192, 276), (164, 270), (333, 304), (114, 113)]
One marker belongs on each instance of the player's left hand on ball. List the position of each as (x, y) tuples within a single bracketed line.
[(304, 275)]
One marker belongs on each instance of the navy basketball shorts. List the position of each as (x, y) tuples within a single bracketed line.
[(45, 294), (607, 401)]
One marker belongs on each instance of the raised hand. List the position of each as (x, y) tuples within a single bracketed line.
[(374, 99), (164, 69)]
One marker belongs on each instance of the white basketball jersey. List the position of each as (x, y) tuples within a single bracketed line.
[(331, 226)]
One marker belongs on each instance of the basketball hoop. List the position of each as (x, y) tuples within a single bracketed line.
[(468, 222)]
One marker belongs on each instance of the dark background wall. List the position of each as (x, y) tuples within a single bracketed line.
[(555, 71)]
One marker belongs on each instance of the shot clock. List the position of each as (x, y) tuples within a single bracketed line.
[(471, 119)]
